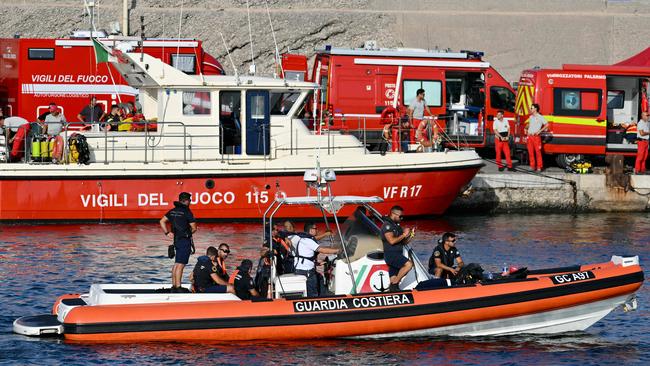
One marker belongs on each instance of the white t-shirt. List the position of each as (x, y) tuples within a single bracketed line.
[(643, 126), (418, 108), (14, 123), (500, 126), (54, 124), (535, 123), (306, 247)]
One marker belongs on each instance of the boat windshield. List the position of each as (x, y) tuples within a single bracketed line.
[(362, 234)]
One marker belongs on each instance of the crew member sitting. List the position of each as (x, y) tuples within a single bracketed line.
[(306, 252), (242, 281), (441, 262), (394, 238), (207, 275)]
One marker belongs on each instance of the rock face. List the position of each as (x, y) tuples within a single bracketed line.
[(515, 34)]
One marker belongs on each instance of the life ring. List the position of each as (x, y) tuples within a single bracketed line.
[(389, 115)]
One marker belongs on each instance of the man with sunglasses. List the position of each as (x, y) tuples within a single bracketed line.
[(394, 237), (441, 263), (207, 275)]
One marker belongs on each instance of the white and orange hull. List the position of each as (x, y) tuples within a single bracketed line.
[(546, 302)]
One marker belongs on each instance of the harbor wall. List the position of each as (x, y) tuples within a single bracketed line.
[(514, 34), (556, 192)]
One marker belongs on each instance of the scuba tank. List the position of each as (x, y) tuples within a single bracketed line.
[(45, 149), (36, 148)]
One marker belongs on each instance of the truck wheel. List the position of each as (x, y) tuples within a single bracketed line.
[(565, 160)]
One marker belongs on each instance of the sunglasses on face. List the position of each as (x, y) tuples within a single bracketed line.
[(452, 241), (227, 251)]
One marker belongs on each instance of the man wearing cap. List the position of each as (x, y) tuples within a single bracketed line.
[(242, 281), (54, 121), (183, 225)]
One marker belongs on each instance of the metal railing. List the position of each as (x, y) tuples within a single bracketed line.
[(194, 142)]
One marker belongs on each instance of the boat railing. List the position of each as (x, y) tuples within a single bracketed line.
[(185, 142)]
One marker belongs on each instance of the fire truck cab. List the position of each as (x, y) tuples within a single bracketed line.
[(588, 107), (357, 85), (35, 72)]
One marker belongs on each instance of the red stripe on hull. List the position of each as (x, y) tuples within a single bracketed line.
[(420, 193)]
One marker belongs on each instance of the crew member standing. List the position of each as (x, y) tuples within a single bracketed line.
[(536, 125), (441, 262), (643, 133), (183, 225), (92, 113), (394, 237), (306, 252), (501, 129)]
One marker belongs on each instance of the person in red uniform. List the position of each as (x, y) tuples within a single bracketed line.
[(643, 134), (501, 129), (536, 125)]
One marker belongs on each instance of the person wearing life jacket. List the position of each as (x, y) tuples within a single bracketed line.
[(630, 131), (306, 250), (242, 282), (206, 277)]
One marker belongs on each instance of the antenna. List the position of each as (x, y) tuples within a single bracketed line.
[(251, 68), (229, 57), (275, 42), (180, 22)]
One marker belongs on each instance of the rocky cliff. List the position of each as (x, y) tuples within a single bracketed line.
[(514, 34)]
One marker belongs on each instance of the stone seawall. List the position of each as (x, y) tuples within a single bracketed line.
[(556, 192)]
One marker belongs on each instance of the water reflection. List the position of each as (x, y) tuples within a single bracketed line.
[(38, 263)]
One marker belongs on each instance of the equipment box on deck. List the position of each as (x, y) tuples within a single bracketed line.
[(290, 286)]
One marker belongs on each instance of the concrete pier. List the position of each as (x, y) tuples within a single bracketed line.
[(553, 191)]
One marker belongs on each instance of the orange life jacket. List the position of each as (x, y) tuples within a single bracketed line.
[(631, 128), (222, 265), (231, 280)]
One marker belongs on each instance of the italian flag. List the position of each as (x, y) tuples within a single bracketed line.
[(102, 54)]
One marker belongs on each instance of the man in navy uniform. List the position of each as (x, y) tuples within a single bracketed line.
[(205, 276), (441, 263), (394, 238), (183, 225), (242, 281)]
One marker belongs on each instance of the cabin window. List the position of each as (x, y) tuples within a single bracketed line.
[(615, 99), (257, 107), (502, 98), (577, 102), (229, 122), (294, 75), (281, 103), (323, 89), (196, 103), (184, 62), (432, 91), (40, 54)]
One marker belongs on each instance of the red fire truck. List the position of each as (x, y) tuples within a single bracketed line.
[(586, 106), (357, 85), (36, 72)]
